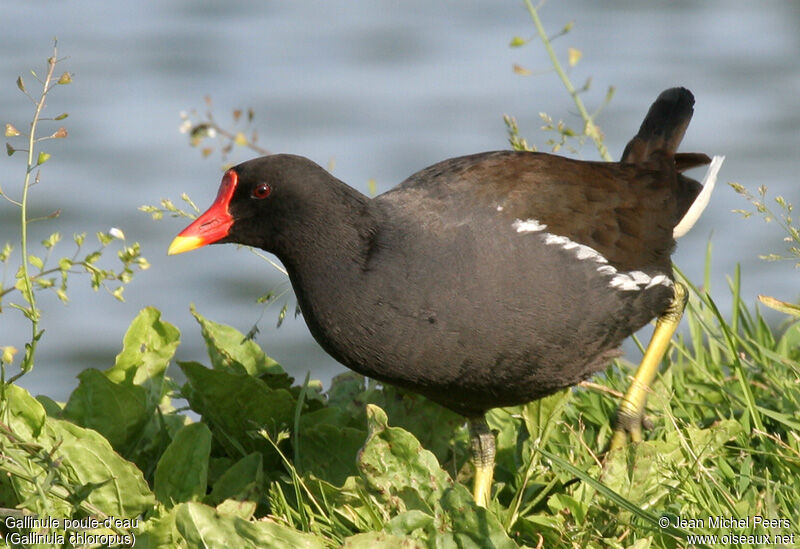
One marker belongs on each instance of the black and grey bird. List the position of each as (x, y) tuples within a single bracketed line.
[(482, 281)]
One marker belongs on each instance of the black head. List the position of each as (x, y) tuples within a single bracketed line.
[(262, 202)]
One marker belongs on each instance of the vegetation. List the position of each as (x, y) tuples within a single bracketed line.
[(40, 272), (257, 460)]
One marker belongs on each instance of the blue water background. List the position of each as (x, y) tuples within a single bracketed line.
[(380, 89)]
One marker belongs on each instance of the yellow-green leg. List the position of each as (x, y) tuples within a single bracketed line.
[(483, 450), (631, 409)]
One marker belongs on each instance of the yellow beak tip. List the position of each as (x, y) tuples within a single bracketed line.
[(184, 244)]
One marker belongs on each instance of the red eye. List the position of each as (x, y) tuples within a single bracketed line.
[(262, 190)]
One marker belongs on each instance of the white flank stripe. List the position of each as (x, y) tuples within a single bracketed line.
[(625, 281), (555, 239), (659, 279), (527, 226), (700, 203), (585, 252)]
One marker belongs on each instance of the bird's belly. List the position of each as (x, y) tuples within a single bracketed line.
[(473, 335)]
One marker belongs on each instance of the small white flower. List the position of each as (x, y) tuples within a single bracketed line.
[(185, 126), (116, 233)]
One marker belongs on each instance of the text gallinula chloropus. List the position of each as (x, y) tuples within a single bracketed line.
[(485, 280)]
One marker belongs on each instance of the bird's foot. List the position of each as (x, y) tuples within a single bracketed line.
[(628, 426)]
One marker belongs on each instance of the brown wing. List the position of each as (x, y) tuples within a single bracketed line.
[(626, 212)]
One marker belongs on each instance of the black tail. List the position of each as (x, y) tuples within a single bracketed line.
[(658, 139), (663, 127)]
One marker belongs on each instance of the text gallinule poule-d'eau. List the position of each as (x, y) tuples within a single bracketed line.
[(486, 280)]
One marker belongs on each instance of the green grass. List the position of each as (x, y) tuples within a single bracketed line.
[(274, 463)]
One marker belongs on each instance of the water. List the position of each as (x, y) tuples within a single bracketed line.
[(383, 89)]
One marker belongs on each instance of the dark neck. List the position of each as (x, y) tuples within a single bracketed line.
[(325, 253)]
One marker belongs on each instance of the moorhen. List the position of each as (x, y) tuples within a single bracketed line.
[(486, 280)]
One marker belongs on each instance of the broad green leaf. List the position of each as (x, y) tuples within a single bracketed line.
[(182, 472), (147, 348), (240, 508), (159, 531), (237, 405), (345, 389), (231, 351), (202, 526), (331, 416), (470, 525), (328, 450), (506, 426), (52, 407), (154, 438), (413, 523), (118, 411), (789, 343), (433, 425), (217, 466), (244, 480), (114, 485), (22, 413), (396, 467)]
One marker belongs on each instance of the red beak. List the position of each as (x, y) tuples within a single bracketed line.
[(213, 225)]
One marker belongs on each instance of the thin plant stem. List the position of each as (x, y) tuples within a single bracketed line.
[(590, 129), (30, 297)]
